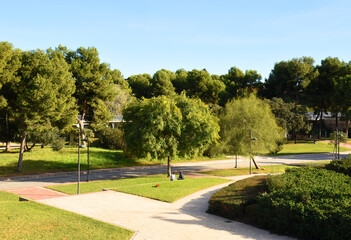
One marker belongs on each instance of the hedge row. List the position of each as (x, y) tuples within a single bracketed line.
[(341, 166), (310, 203)]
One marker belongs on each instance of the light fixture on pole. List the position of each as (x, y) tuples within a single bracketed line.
[(251, 139)]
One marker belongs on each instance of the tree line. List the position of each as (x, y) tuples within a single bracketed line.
[(43, 93)]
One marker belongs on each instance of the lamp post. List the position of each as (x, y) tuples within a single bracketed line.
[(87, 140), (251, 139)]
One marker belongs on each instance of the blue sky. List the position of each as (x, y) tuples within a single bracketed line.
[(145, 36)]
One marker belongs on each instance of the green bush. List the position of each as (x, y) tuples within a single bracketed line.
[(110, 138), (238, 200), (310, 203), (58, 144), (341, 166)]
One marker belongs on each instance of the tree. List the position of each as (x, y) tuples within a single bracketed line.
[(287, 118), (43, 94), (9, 64), (161, 83), (152, 128), (180, 81), (94, 86), (140, 85), (238, 84), (165, 127), (320, 91), (242, 116), (342, 98)]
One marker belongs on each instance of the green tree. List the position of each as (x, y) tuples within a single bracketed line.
[(165, 127), (342, 98), (152, 128), (9, 64), (94, 86), (320, 91), (287, 118), (43, 94), (180, 82), (140, 85), (242, 116), (161, 83)]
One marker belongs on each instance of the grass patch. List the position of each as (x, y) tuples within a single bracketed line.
[(303, 147), (145, 186), (46, 160), (29, 220), (245, 171)]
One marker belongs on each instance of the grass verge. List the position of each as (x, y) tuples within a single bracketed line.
[(303, 147), (167, 191), (29, 220), (244, 171)]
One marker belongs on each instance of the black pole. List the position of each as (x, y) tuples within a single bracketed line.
[(78, 164), (88, 176), (250, 148)]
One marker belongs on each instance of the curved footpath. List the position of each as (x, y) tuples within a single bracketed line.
[(156, 220)]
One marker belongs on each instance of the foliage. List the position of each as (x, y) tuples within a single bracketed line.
[(241, 116), (140, 85), (342, 137), (162, 127), (44, 222), (58, 144), (238, 200), (287, 117), (309, 203), (152, 127), (199, 128), (161, 83), (340, 166), (145, 186), (110, 138)]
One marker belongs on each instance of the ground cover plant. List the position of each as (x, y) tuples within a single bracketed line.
[(310, 203), (244, 171), (29, 220), (341, 166), (302, 147), (168, 191), (238, 200)]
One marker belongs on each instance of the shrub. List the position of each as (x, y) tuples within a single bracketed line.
[(238, 200), (58, 144), (341, 166), (110, 138), (311, 203)]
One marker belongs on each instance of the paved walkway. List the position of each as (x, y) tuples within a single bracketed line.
[(156, 220)]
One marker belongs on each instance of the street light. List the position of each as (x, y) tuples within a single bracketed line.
[(251, 139), (87, 140)]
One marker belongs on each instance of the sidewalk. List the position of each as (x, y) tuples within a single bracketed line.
[(155, 220)]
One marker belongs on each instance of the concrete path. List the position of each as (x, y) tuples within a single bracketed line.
[(155, 220), (116, 173)]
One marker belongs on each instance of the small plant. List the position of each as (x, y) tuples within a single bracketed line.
[(58, 144)]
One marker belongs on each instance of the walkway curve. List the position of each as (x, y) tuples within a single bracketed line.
[(155, 220)]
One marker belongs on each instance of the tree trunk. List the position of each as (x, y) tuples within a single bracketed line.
[(336, 121), (8, 142), (8, 146), (20, 159), (253, 160), (347, 127), (169, 166), (320, 125)]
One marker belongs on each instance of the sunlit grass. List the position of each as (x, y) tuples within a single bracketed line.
[(29, 220), (168, 191)]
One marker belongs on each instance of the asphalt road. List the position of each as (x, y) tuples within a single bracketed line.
[(116, 173)]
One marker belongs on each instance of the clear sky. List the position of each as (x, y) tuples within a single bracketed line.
[(147, 35)]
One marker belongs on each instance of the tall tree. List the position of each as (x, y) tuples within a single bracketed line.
[(94, 86), (161, 83), (43, 94), (9, 64), (140, 85), (242, 116), (321, 89), (164, 127)]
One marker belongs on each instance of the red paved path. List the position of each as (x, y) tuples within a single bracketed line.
[(37, 193)]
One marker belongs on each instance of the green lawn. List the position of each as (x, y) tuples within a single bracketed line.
[(245, 171), (146, 187), (46, 160), (308, 147), (29, 220)]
